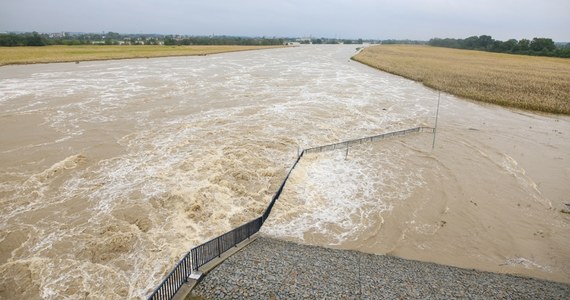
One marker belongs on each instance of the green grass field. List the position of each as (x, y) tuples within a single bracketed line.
[(52, 54)]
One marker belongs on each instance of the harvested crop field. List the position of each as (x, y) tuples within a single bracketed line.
[(527, 82), (51, 54)]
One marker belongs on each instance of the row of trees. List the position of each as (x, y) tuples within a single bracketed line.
[(324, 40), (222, 40), (329, 41), (113, 38), (402, 42), (33, 39), (36, 39), (536, 46)]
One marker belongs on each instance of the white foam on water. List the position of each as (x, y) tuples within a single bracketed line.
[(204, 143), (338, 199), (527, 263), (63, 139), (512, 167)]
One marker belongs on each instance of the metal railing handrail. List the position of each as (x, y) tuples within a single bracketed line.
[(174, 280), (206, 252), (267, 211), (343, 144)]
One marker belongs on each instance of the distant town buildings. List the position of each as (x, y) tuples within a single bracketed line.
[(113, 38)]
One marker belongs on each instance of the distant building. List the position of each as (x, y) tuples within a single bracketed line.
[(57, 35)]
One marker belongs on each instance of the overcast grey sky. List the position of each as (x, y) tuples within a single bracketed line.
[(380, 19)]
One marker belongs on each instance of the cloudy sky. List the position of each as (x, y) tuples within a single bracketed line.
[(377, 19)]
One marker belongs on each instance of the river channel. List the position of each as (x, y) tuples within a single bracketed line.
[(111, 171)]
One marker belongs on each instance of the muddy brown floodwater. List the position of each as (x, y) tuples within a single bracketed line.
[(110, 171)]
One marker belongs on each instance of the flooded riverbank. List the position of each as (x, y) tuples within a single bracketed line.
[(487, 197), (112, 170)]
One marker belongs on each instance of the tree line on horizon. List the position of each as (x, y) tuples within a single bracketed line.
[(222, 40), (113, 38), (536, 46)]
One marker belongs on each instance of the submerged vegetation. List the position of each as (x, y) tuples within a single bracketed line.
[(533, 83)]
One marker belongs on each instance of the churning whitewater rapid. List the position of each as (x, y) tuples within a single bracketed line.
[(111, 171)]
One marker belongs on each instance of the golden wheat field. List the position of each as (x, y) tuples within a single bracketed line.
[(527, 82), (50, 54)]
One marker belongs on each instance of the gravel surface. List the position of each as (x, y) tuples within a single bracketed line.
[(274, 269)]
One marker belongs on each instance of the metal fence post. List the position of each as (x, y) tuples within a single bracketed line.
[(219, 248), (436, 116)]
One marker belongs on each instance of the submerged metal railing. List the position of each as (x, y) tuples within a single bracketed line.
[(343, 145), (208, 251), (267, 211)]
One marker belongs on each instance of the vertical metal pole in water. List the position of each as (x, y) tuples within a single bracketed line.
[(346, 155), (436, 116)]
